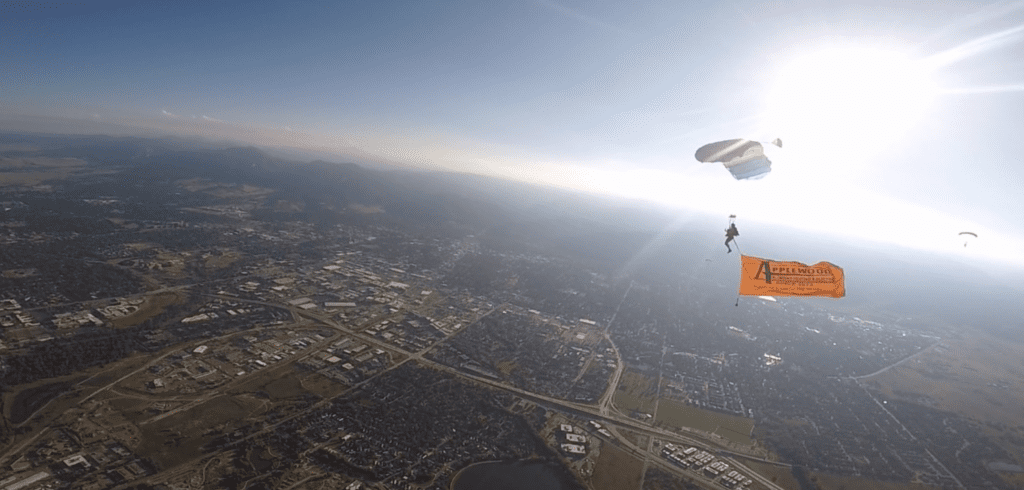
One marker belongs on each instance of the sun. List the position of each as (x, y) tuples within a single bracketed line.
[(848, 96)]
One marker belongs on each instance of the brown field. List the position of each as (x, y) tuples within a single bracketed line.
[(780, 476), (1015, 479), (140, 246), (19, 405), (284, 387), (223, 260), (506, 367), (831, 482), (285, 381), (19, 273), (23, 171), (176, 269), (977, 376), (18, 147), (638, 439), (321, 385), (179, 438), (217, 189), (734, 428), (616, 469), (133, 409), (38, 163), (244, 190), (635, 392), (153, 306), (1011, 439), (196, 184)]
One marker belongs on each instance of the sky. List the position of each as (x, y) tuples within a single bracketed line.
[(900, 121)]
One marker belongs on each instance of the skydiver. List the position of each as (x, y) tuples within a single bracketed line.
[(730, 234)]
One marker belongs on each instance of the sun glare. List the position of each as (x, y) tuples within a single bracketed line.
[(854, 96)]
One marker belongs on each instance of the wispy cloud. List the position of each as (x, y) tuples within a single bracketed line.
[(586, 19), (211, 119), (977, 46), (169, 114)]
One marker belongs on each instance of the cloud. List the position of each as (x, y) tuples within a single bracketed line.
[(211, 119), (169, 114)]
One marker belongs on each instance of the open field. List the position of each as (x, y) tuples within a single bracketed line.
[(27, 401), (178, 438), (221, 260), (321, 385), (635, 392), (1015, 479), (734, 428), (42, 396), (977, 376), (782, 477), (23, 171), (616, 469), (38, 163), (284, 387), (151, 307), (825, 481)]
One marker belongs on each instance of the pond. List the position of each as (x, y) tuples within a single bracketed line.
[(515, 475)]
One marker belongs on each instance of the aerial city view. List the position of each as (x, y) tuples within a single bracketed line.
[(543, 245)]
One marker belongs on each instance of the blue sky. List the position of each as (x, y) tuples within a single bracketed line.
[(610, 97)]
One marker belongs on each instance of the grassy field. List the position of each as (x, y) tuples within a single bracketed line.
[(734, 428), (978, 376), (616, 469)]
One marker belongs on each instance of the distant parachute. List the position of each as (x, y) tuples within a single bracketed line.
[(969, 234), (743, 158)]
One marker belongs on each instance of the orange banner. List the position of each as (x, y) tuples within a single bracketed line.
[(761, 277)]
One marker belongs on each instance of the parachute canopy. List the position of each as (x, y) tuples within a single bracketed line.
[(968, 237), (743, 158)]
